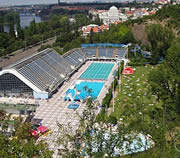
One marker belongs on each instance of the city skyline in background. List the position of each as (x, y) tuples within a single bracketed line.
[(27, 2)]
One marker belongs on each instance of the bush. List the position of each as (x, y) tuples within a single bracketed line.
[(98, 155), (101, 117), (136, 64), (14, 46), (108, 97), (112, 120), (121, 67), (44, 47)]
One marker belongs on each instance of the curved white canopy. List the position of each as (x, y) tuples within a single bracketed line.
[(22, 78)]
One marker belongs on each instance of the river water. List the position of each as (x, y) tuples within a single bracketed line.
[(26, 20)]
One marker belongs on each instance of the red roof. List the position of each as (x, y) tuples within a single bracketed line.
[(88, 29), (104, 27), (96, 29), (130, 12), (116, 22)]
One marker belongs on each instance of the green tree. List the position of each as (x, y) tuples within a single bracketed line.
[(11, 17), (11, 29), (54, 21), (81, 20), (112, 120), (33, 27), (92, 138), (65, 24), (20, 32), (160, 39), (1, 24), (2, 51), (120, 33), (64, 38), (19, 142), (91, 36), (165, 81), (98, 21)]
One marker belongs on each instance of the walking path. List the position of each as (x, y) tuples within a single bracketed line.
[(21, 54)]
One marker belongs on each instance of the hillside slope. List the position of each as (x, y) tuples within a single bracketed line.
[(139, 33), (168, 17)]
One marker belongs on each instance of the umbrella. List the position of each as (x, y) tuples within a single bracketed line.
[(42, 129), (34, 133)]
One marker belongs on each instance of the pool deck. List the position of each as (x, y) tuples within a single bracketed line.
[(76, 77), (55, 109)]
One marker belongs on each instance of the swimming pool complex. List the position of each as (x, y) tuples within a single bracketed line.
[(97, 71), (86, 89)]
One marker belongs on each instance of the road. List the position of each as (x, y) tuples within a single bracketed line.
[(20, 54)]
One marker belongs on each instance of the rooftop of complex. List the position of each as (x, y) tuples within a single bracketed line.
[(44, 71)]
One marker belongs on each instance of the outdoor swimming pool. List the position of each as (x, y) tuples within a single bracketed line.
[(86, 89), (97, 71)]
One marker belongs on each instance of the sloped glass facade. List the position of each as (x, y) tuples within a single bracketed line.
[(10, 85)]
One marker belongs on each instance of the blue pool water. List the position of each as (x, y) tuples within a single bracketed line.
[(97, 71), (73, 106), (95, 88)]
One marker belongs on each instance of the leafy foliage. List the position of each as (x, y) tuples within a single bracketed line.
[(120, 33), (165, 81), (18, 141), (112, 120), (107, 99), (91, 138), (172, 12), (160, 39)]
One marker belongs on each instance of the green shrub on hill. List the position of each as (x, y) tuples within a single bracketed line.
[(112, 120)]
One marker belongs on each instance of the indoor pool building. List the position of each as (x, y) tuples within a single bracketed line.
[(41, 74)]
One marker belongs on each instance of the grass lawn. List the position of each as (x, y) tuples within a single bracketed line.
[(134, 88), (134, 106)]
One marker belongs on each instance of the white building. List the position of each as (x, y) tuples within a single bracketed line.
[(178, 1), (112, 15), (122, 17)]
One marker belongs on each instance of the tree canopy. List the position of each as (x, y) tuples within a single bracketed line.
[(160, 39), (17, 141)]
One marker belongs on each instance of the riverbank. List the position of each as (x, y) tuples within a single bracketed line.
[(25, 20)]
